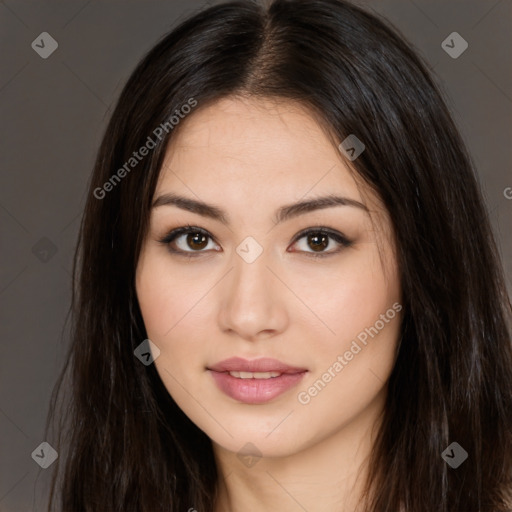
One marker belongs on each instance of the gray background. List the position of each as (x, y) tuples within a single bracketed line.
[(53, 114)]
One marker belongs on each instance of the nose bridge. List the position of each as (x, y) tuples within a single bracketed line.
[(250, 276), (252, 302)]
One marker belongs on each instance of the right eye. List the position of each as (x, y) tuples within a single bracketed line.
[(189, 241)]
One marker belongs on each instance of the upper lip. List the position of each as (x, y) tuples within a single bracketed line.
[(264, 364)]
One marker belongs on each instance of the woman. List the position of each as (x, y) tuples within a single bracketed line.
[(288, 294)]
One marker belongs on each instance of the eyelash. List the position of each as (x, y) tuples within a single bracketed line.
[(184, 230)]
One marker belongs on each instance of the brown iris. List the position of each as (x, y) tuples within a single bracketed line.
[(197, 240), (318, 241)]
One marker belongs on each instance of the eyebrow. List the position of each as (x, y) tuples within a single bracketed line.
[(282, 214)]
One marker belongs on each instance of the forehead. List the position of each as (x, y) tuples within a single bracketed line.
[(254, 144)]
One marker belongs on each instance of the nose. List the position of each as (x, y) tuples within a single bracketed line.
[(253, 300)]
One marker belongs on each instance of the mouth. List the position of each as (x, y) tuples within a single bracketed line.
[(257, 381), (255, 375)]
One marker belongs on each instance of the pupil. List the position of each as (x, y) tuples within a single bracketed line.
[(319, 241)]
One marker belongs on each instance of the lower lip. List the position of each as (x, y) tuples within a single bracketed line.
[(255, 391)]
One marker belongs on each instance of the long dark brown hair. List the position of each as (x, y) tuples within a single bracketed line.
[(124, 444)]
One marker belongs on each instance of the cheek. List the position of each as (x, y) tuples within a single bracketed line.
[(174, 313), (167, 299), (351, 297), (354, 361)]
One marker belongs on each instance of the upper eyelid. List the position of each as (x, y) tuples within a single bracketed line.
[(182, 230)]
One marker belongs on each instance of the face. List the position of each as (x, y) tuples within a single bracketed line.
[(307, 299)]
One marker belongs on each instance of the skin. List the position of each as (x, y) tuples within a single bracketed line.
[(250, 157)]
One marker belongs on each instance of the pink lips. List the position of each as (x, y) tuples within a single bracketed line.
[(255, 390)]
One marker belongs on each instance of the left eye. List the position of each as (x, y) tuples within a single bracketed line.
[(192, 241), (320, 239)]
